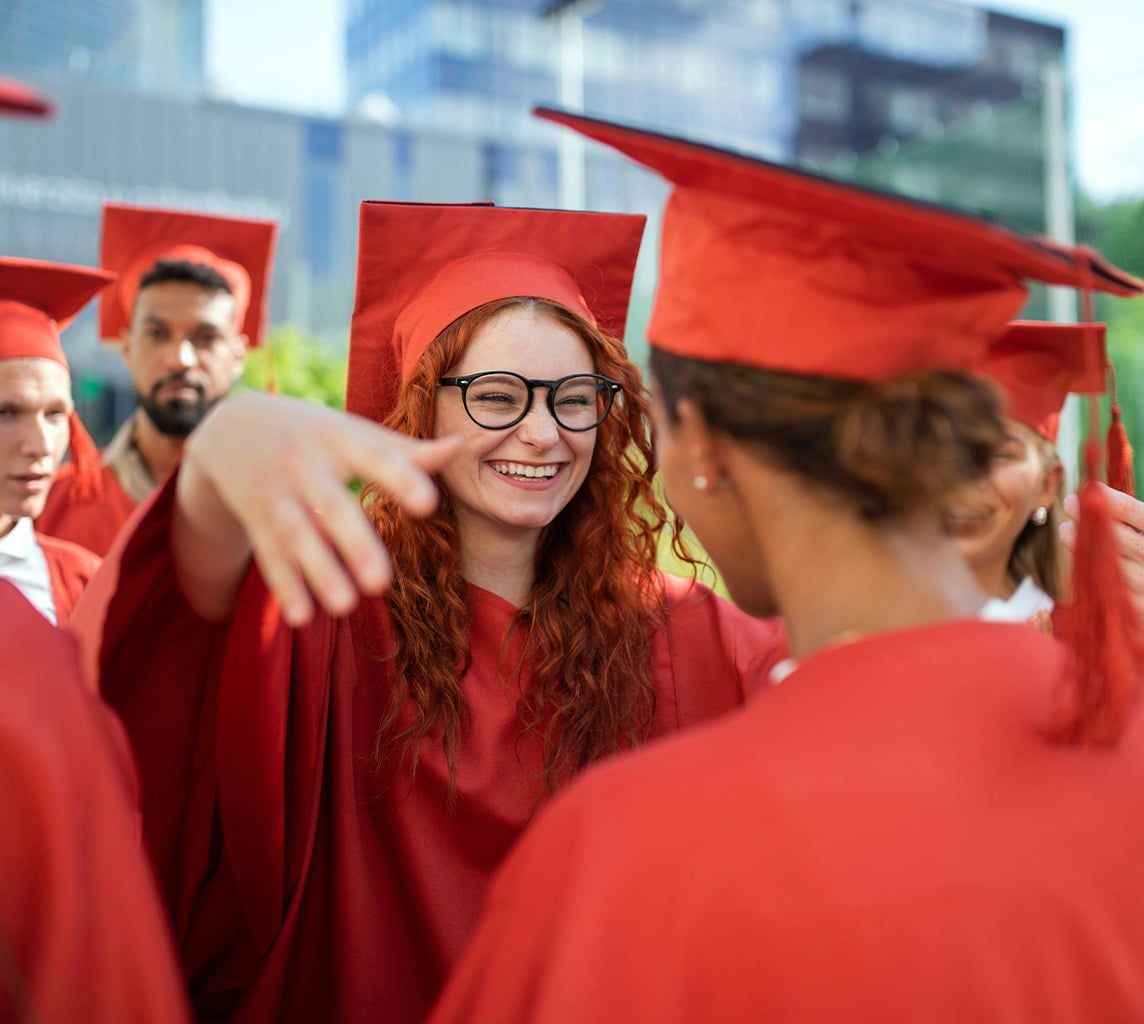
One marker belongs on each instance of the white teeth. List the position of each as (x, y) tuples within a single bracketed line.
[(519, 471)]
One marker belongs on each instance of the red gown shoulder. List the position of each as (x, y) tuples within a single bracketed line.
[(92, 525), (889, 835), (70, 569), (79, 911)]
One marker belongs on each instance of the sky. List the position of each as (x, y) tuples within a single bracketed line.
[(286, 54)]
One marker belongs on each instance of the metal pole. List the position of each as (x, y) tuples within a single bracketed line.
[(1060, 225), (571, 156)]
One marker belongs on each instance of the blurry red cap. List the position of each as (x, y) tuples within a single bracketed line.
[(780, 269), (18, 98), (1038, 364), (39, 299), (135, 238), (421, 266)]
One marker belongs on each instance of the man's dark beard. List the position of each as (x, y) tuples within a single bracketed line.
[(174, 418)]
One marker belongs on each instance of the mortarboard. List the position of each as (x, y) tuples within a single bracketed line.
[(20, 99), (1037, 365), (37, 301), (134, 238), (421, 266), (778, 268)]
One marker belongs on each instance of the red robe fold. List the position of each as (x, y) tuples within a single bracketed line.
[(82, 932), (70, 569), (885, 837), (92, 525), (304, 882)]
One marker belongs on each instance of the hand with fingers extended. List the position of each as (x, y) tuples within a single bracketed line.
[(1128, 524), (267, 476)]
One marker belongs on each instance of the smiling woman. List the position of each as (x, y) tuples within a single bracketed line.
[(1007, 524), (374, 764)]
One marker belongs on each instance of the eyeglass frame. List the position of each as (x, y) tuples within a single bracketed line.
[(614, 387)]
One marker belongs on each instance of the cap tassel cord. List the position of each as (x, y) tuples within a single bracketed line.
[(88, 480), (1104, 640), (1121, 473)]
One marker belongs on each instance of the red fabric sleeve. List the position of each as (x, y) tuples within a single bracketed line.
[(81, 927)]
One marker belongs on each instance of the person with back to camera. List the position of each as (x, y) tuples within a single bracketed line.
[(326, 802), (930, 816)]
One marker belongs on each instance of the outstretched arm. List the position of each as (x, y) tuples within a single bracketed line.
[(266, 476)]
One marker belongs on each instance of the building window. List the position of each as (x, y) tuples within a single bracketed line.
[(824, 95), (910, 110)]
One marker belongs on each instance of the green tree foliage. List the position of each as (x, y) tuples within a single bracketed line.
[(1117, 230), (292, 362)]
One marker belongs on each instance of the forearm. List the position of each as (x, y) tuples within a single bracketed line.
[(210, 545)]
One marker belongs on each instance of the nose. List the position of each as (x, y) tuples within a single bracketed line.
[(35, 439), (184, 353), (538, 428)]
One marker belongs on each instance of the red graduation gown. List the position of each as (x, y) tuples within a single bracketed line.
[(305, 885), (81, 926), (883, 837), (92, 525), (70, 568)]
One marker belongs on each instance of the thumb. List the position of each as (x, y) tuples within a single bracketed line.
[(1067, 534)]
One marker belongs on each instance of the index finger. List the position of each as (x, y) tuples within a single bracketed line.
[(1125, 508), (401, 466)]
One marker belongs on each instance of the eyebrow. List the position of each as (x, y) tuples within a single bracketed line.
[(154, 318)]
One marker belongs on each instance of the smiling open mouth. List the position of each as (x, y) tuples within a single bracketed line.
[(520, 471)]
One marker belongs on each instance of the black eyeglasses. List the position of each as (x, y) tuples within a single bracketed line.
[(499, 399)]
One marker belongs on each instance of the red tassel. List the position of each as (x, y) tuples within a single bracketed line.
[(1104, 639), (1120, 471), (271, 379), (88, 480)]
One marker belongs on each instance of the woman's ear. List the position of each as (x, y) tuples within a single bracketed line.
[(701, 446), (1054, 479)]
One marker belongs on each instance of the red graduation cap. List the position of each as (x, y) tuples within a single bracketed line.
[(135, 238), (777, 268), (20, 99), (1037, 365), (421, 266), (38, 300)]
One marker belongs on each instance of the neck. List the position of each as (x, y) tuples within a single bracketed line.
[(8, 524), (160, 452), (500, 562), (995, 580), (834, 575)]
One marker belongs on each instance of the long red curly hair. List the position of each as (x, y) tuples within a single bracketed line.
[(597, 596)]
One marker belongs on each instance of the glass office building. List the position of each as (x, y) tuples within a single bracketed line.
[(836, 84), (149, 46)]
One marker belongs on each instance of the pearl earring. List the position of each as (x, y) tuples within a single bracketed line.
[(1040, 516), (701, 482)]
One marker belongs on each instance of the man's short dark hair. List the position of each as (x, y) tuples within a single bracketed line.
[(185, 272)]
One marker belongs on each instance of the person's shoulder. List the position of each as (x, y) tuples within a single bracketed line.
[(692, 607), (78, 556)]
